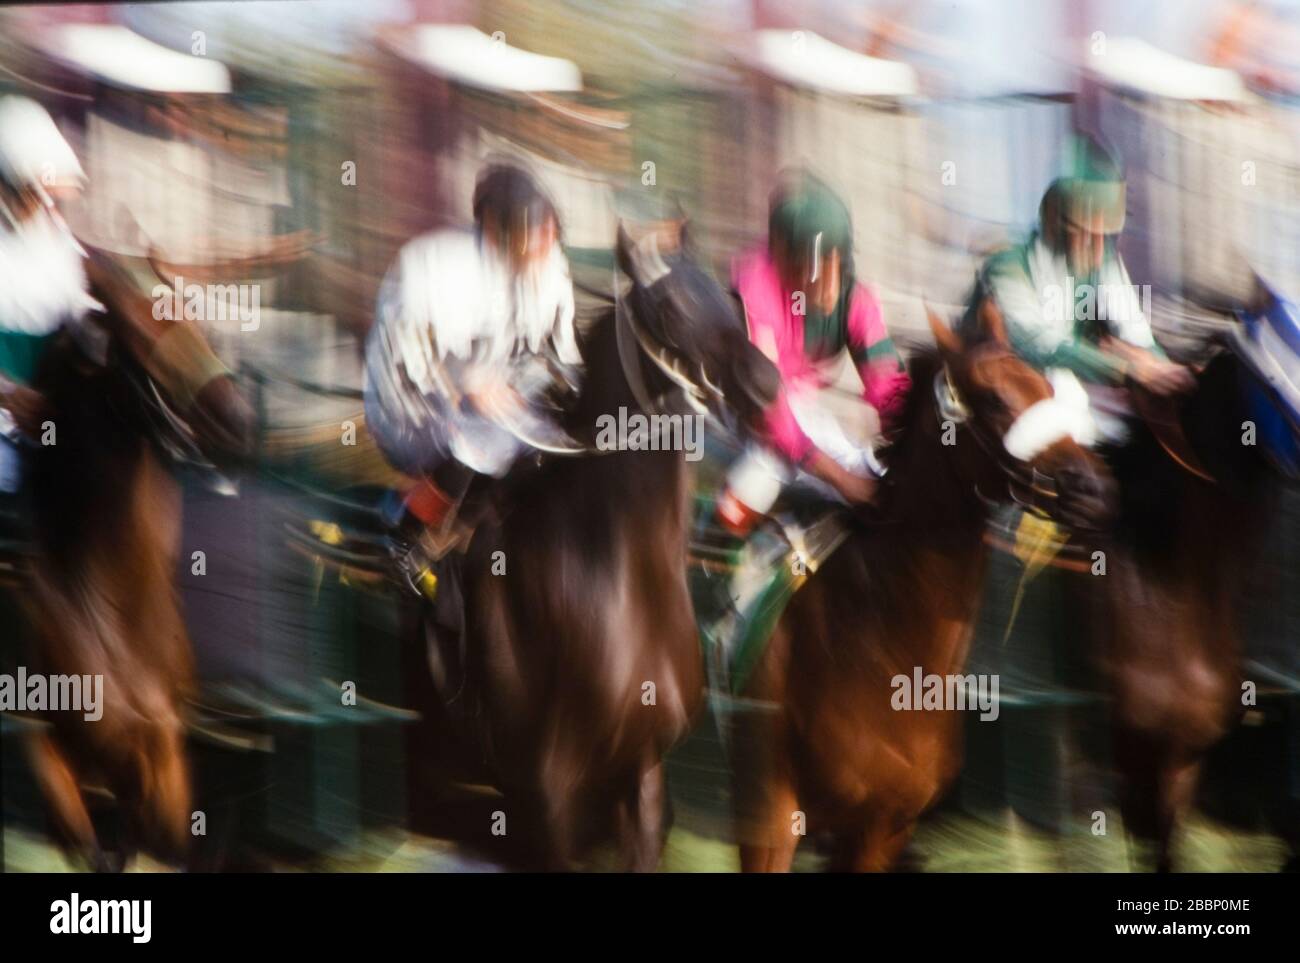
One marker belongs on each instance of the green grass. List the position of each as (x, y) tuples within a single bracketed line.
[(950, 843)]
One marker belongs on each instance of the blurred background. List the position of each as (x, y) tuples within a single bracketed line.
[(214, 131)]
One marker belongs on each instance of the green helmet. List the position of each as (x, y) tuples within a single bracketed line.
[(810, 221), (1092, 194)]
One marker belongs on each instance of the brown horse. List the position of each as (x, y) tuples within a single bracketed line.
[(582, 662), (1165, 620), (836, 754), (102, 597)]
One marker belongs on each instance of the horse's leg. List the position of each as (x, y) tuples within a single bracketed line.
[(642, 817), (769, 822), (152, 784), (773, 832), (550, 816), (1155, 792), (877, 846), (167, 795), (62, 791), (1176, 787), (1136, 765)]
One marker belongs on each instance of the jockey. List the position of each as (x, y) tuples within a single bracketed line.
[(469, 324), (42, 277), (1065, 295), (805, 309)]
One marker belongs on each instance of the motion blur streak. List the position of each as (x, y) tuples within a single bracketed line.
[(326, 329)]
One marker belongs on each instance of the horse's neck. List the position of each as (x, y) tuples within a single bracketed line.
[(912, 581), (925, 491), (606, 388), (1177, 522), (646, 482), (921, 568), (97, 493)]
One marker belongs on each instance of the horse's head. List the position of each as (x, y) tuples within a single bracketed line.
[(690, 329), (188, 388), (1029, 431)]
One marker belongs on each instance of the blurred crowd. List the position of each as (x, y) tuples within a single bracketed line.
[(208, 130)]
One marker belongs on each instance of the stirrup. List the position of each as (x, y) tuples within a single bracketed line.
[(417, 572), (442, 541)]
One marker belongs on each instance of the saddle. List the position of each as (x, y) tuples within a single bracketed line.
[(769, 568)]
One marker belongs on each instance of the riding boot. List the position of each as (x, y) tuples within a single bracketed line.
[(430, 525), (717, 545), (451, 529)]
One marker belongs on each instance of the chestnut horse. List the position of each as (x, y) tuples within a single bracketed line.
[(582, 663), (834, 755), (102, 598)]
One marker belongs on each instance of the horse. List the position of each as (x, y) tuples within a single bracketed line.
[(834, 752), (1195, 503), (581, 664), (101, 597)]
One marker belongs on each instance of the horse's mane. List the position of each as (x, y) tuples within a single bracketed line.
[(912, 474), (583, 477), (604, 385)]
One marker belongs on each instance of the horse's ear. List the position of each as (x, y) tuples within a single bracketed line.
[(944, 337), (640, 251), (623, 250), (673, 233), (992, 323)]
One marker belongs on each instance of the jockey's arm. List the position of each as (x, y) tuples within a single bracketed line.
[(787, 436), (31, 303), (437, 379), (1043, 341), (412, 346), (885, 381), (25, 404), (1132, 339), (1129, 326), (854, 488)]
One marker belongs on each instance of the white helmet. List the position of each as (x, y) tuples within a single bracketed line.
[(33, 154)]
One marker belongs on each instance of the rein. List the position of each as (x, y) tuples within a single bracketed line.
[(632, 339), (1028, 487), (1167, 429)]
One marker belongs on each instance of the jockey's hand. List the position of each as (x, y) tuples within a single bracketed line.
[(28, 408), (494, 396), (1160, 377), (854, 489), (857, 490)]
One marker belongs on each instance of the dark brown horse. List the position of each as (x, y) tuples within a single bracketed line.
[(1165, 619), (835, 754), (583, 666), (102, 597)]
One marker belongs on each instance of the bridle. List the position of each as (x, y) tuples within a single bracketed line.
[(1029, 488), (633, 342), (699, 393)]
